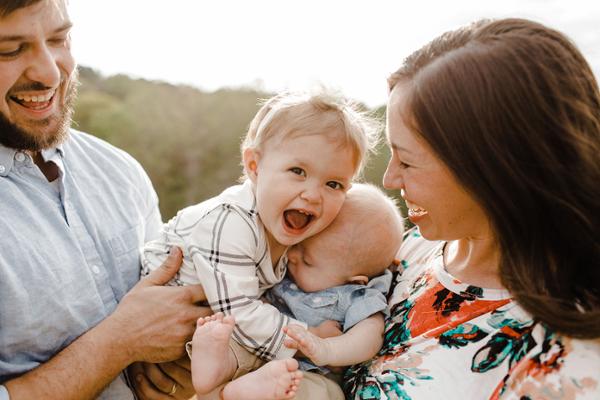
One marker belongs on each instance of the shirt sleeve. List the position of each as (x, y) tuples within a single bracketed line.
[(226, 253), (368, 300), (4, 393)]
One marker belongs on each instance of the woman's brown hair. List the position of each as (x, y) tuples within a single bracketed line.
[(513, 109)]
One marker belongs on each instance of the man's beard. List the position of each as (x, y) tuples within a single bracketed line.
[(15, 137)]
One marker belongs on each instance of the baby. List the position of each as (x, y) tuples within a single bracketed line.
[(341, 275), (300, 156)]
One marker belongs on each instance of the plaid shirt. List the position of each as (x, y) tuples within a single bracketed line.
[(225, 249)]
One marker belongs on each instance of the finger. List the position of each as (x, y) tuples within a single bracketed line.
[(195, 293), (148, 391), (166, 271), (158, 378), (184, 362), (175, 373), (182, 376), (291, 344)]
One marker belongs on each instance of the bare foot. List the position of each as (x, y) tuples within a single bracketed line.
[(213, 363), (310, 345), (276, 380)]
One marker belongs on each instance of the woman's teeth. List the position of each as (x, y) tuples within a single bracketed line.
[(416, 212)]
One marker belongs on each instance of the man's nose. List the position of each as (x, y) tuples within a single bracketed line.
[(44, 68)]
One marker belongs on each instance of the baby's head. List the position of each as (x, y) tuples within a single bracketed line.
[(301, 153), (359, 244)]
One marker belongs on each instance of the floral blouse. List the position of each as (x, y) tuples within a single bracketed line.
[(445, 339)]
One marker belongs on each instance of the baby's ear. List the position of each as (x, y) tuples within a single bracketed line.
[(250, 158), (359, 279)]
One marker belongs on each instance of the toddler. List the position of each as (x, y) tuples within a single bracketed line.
[(300, 156)]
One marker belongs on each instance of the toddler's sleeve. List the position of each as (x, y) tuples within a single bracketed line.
[(368, 300)]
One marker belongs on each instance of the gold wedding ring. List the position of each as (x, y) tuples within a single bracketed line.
[(173, 389)]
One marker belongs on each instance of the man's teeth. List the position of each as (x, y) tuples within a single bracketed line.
[(35, 99)]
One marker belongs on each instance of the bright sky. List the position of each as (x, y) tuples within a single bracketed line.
[(281, 44)]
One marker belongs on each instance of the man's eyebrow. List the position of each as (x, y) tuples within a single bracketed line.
[(18, 38)]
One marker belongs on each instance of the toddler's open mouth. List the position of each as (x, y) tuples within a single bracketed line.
[(297, 219)]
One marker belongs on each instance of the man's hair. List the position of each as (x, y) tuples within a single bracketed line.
[(372, 227), (322, 113), (513, 110), (9, 6)]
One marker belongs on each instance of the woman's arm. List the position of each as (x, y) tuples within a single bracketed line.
[(359, 344)]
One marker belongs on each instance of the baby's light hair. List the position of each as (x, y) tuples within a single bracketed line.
[(372, 227), (293, 114)]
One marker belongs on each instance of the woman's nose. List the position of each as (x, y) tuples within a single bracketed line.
[(392, 179)]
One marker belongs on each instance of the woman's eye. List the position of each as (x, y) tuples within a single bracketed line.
[(335, 185), (298, 171), (403, 165)]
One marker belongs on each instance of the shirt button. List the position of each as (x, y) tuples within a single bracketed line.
[(2, 169), (20, 157), (95, 269)]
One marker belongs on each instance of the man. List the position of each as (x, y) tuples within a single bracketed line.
[(74, 213)]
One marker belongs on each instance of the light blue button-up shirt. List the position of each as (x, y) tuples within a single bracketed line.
[(69, 250)]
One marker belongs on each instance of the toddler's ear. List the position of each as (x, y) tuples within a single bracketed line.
[(250, 158), (359, 279)]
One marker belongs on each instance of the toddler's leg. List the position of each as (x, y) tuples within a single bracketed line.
[(276, 380), (213, 362)]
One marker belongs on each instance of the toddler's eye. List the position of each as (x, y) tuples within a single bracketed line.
[(335, 185), (298, 171)]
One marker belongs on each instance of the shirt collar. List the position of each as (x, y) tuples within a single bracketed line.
[(7, 157)]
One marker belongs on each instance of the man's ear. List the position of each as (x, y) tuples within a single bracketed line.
[(359, 279), (250, 158)]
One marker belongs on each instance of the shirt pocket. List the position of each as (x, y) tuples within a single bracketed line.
[(321, 306), (125, 250)]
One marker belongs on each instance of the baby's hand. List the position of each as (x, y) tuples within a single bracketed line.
[(325, 329), (312, 346)]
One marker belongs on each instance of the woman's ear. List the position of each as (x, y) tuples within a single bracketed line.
[(359, 279), (250, 158)]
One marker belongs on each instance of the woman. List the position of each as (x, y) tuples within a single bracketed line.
[(495, 137)]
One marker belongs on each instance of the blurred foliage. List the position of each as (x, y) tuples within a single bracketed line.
[(186, 139)]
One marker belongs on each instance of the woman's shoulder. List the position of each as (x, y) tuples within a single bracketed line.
[(416, 252)]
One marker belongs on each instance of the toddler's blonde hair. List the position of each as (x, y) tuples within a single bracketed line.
[(300, 113)]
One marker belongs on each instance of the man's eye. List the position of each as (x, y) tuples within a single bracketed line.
[(59, 41), (298, 171), (11, 53), (335, 185)]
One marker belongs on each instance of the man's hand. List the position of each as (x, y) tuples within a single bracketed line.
[(153, 322), (171, 380)]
